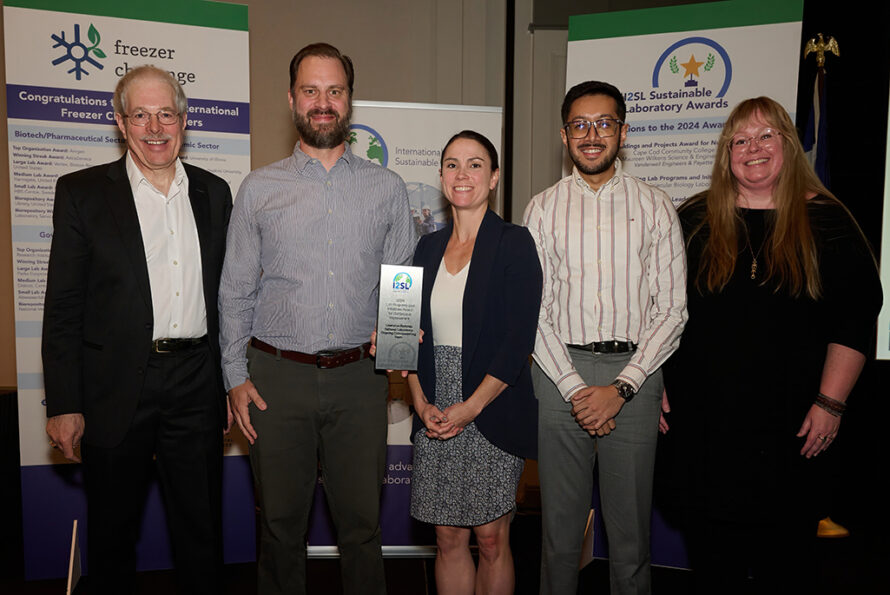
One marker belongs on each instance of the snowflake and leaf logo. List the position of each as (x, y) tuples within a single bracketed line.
[(78, 52)]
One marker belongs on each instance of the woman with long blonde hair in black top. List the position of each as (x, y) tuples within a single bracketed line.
[(783, 298)]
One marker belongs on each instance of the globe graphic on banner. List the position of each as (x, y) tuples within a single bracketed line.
[(429, 209), (368, 144)]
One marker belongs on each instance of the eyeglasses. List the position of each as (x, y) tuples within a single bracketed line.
[(165, 117), (765, 139), (604, 127)]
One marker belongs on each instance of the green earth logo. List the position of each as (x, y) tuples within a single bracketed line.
[(367, 142)]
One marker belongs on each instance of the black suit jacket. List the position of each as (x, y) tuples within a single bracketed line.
[(98, 321), (502, 300)]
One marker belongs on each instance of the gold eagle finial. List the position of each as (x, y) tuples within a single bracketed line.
[(820, 47)]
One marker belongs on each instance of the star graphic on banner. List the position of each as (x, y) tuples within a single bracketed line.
[(691, 66)]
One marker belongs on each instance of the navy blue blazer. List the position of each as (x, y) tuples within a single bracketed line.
[(502, 300)]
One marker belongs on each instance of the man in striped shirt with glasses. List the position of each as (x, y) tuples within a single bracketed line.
[(613, 308)]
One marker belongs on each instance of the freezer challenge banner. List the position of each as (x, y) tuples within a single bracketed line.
[(63, 60)]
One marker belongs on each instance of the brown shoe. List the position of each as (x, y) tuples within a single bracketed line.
[(828, 529)]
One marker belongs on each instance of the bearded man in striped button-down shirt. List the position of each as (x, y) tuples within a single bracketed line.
[(613, 308), (298, 303)]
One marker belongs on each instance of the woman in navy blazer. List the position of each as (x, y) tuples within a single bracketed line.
[(476, 419)]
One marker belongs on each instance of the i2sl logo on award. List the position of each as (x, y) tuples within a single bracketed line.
[(79, 52), (402, 281)]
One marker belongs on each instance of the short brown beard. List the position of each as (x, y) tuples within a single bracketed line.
[(327, 137), (604, 165)]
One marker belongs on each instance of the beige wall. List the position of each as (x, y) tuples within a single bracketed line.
[(430, 51), (538, 90)]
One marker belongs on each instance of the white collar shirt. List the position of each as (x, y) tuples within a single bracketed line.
[(614, 269), (172, 254)]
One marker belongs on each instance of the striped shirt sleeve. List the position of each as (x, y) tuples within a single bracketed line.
[(550, 351), (666, 275)]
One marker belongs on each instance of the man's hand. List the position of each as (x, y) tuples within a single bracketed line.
[(230, 419), (65, 432), (372, 351), (604, 429), (239, 398), (593, 406), (663, 426)]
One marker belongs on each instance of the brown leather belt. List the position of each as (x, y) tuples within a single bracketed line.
[(322, 359), (607, 347)]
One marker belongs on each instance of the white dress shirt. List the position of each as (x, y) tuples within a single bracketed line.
[(614, 269), (172, 253)]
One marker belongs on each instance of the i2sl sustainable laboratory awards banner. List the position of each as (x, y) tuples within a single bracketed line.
[(682, 69)]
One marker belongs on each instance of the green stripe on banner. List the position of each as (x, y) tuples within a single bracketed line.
[(688, 17), (220, 15)]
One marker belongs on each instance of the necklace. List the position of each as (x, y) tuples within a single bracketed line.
[(751, 249)]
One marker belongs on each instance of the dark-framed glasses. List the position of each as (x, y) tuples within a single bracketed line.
[(141, 118), (604, 127), (767, 138)]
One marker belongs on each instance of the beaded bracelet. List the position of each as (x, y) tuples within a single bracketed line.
[(832, 406)]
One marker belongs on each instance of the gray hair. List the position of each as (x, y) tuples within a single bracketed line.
[(147, 71)]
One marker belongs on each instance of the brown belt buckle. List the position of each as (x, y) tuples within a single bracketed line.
[(321, 360)]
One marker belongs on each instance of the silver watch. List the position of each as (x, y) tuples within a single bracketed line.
[(625, 390)]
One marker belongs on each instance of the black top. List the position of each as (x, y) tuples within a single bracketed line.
[(750, 361)]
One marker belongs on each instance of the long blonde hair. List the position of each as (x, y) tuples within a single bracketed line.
[(790, 253)]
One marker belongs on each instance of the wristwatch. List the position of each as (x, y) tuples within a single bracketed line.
[(625, 390)]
